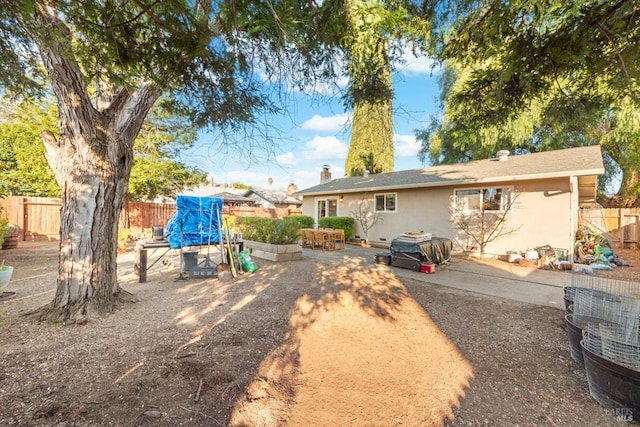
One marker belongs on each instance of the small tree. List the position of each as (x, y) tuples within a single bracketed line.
[(365, 216), (486, 224)]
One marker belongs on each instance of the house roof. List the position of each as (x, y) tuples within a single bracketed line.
[(548, 164), (274, 196), (225, 195), (208, 190)]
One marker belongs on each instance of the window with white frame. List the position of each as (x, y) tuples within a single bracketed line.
[(488, 199), (326, 207), (385, 202)]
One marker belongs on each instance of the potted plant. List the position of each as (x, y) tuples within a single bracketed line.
[(9, 235)]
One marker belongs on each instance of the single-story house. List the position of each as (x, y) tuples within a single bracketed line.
[(539, 196), (274, 198), (249, 197)]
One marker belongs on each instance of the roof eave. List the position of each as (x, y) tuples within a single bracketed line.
[(583, 172)]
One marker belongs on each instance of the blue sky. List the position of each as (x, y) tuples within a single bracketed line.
[(316, 133)]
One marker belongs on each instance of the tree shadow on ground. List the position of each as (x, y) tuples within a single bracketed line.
[(302, 343), (360, 351)]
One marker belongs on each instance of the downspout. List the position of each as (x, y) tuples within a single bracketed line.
[(573, 222)]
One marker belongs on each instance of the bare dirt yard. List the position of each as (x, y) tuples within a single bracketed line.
[(298, 344)]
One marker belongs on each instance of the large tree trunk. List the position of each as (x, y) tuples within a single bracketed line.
[(92, 194), (91, 160)]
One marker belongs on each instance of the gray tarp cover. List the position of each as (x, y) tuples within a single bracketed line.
[(434, 251)]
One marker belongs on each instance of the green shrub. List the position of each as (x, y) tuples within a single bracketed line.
[(304, 221), (4, 228), (229, 221), (340, 222), (268, 230)]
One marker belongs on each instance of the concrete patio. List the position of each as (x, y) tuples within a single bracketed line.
[(494, 278)]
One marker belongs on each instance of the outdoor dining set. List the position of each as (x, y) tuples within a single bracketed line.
[(326, 239)]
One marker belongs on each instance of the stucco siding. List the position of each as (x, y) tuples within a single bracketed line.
[(541, 215), (417, 210)]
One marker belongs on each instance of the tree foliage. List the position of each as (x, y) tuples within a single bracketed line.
[(371, 146), (107, 63), (532, 76), (373, 28), (156, 170), (23, 166)]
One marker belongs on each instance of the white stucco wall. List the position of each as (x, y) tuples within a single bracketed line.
[(541, 215)]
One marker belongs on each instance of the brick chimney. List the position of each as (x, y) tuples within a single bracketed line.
[(325, 175), (291, 188)]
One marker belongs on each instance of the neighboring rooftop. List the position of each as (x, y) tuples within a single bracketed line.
[(272, 198), (214, 190), (233, 198), (548, 164)]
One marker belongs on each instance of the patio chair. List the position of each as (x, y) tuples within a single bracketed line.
[(322, 240), (338, 236), (306, 238)]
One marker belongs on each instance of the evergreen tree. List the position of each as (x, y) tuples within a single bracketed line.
[(371, 146), (372, 37), (531, 76)]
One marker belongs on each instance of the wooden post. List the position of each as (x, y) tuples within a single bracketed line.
[(621, 228), (140, 264)]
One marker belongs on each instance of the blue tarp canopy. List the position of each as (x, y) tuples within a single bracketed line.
[(195, 222)]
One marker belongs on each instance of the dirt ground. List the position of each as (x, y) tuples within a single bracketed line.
[(299, 344)]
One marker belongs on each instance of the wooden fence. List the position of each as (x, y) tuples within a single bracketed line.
[(621, 226), (39, 217)]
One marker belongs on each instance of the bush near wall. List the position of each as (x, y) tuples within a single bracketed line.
[(268, 230), (3, 229), (341, 222), (304, 221), (229, 222)]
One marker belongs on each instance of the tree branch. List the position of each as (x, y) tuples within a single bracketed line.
[(52, 150), (64, 72), (618, 54), (131, 114), (157, 20)]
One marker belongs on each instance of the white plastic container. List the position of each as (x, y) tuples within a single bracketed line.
[(531, 255), (514, 257), (5, 276)]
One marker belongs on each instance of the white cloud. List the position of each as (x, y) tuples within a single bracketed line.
[(334, 123), (323, 148), (306, 178), (405, 145), (258, 179), (310, 177), (287, 159), (413, 65)]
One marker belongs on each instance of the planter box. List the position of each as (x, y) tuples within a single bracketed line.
[(10, 242), (274, 253)]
